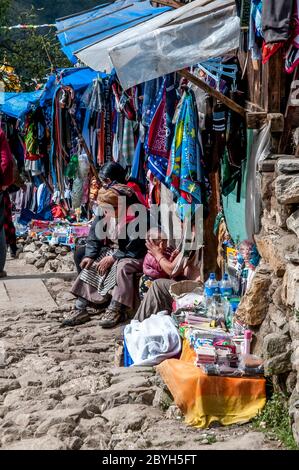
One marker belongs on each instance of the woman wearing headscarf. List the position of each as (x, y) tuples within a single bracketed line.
[(111, 258)]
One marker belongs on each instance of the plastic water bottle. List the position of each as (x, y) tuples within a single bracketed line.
[(211, 288), (226, 288)]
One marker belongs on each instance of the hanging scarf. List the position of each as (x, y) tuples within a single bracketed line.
[(156, 141), (184, 165)]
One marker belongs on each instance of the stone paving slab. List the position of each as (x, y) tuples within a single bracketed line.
[(25, 293)]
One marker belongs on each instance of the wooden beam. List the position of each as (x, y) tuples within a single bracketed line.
[(170, 3), (255, 119), (272, 76), (216, 94)]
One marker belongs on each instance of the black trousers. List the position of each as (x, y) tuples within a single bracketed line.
[(79, 254)]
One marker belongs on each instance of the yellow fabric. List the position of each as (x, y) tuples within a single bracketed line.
[(204, 399)]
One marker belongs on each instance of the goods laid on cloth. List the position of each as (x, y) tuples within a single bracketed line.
[(153, 340), (205, 399)]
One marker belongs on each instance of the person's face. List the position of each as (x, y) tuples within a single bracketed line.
[(105, 182)]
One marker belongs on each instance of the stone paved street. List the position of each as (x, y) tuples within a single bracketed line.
[(59, 388)]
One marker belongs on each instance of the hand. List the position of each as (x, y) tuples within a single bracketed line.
[(105, 264), (174, 254), (86, 263), (154, 249)]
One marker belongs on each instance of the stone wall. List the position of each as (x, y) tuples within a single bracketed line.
[(271, 305), (45, 257)]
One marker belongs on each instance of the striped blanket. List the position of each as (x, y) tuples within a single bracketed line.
[(103, 284)]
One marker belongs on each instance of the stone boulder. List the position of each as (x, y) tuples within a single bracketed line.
[(273, 249), (254, 305), (287, 166), (293, 222), (275, 344), (290, 285), (278, 365), (30, 258), (287, 189)]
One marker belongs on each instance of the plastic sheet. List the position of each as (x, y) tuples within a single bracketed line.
[(259, 151), (189, 35), (86, 29)]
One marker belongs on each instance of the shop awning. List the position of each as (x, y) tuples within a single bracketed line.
[(84, 30), (191, 34), (17, 104), (167, 42)]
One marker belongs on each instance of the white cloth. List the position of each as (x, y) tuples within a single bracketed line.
[(153, 340)]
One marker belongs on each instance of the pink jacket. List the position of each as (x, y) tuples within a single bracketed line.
[(6, 162), (152, 268)]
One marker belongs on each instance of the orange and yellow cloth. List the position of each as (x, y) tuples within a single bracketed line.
[(204, 399)]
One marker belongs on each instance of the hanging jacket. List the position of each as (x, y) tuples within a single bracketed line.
[(276, 19)]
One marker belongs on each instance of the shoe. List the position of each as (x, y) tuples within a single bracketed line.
[(76, 317), (3, 274), (111, 318)]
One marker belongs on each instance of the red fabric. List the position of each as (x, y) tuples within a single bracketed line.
[(6, 162), (138, 193), (270, 49), (57, 212)]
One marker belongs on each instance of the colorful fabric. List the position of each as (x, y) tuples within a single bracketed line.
[(128, 144), (156, 141), (205, 399), (158, 167), (184, 168), (145, 284), (256, 29)]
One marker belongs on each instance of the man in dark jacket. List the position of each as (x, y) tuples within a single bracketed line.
[(6, 179)]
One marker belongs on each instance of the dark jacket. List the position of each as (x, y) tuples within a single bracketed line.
[(128, 248)]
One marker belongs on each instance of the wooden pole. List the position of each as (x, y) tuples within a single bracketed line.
[(216, 94)]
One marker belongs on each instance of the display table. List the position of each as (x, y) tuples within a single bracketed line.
[(204, 399)]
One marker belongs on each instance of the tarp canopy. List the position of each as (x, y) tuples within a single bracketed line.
[(17, 104), (77, 78), (81, 31), (191, 34), (168, 42)]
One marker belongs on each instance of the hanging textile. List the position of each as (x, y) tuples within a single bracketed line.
[(185, 161), (156, 141), (276, 20), (256, 29)]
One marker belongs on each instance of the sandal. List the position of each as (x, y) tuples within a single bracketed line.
[(76, 317)]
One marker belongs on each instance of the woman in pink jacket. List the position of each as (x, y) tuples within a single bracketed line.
[(6, 179)]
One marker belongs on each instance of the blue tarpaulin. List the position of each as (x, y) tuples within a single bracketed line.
[(77, 78), (80, 31), (17, 104)]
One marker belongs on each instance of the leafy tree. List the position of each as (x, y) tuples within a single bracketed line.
[(33, 53)]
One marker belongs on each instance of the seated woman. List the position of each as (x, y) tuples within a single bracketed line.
[(180, 265), (151, 267), (110, 261)]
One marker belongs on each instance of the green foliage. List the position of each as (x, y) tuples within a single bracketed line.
[(275, 419), (33, 53), (48, 10)]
